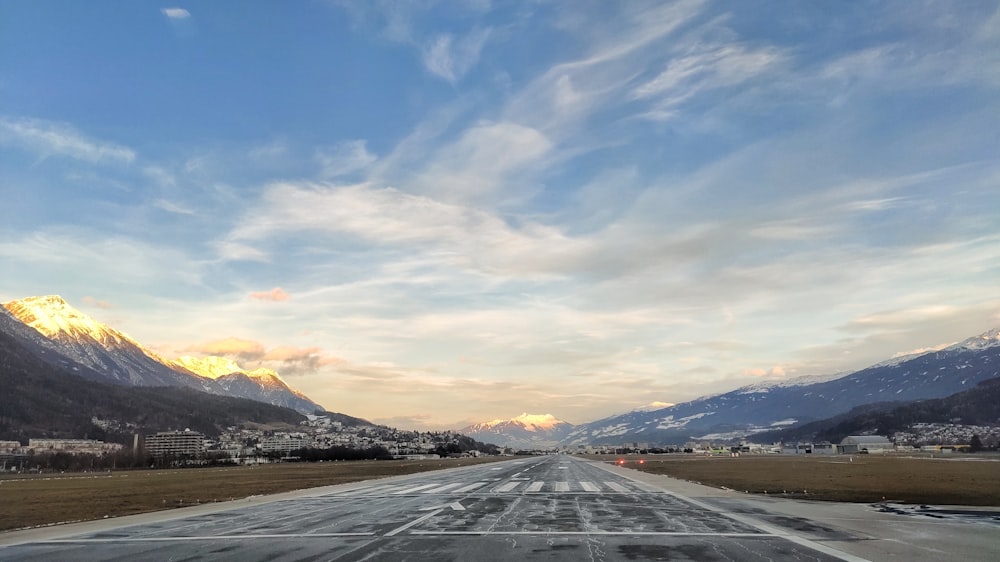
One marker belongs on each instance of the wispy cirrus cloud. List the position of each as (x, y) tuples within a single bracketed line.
[(450, 56), (344, 158), (176, 13), (49, 138)]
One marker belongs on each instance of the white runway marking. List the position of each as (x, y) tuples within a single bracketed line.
[(414, 489), (441, 488), (616, 487), (507, 487), (469, 488), (535, 486), (589, 487), (209, 538), (417, 521), (562, 486), (607, 533)]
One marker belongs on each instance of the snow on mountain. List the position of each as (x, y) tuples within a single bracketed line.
[(263, 385), (63, 335), (526, 431), (117, 357), (769, 404), (984, 340)]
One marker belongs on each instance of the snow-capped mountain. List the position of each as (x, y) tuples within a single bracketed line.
[(61, 335), (263, 385), (119, 358), (773, 405), (527, 431)]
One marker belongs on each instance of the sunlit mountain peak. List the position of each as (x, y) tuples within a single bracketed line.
[(214, 367), (54, 318), (540, 421)]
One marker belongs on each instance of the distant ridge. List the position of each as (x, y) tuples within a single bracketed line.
[(780, 404), (527, 431)]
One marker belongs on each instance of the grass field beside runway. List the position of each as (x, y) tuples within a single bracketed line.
[(33, 500), (858, 478)]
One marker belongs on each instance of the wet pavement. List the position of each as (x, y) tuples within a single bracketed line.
[(541, 508)]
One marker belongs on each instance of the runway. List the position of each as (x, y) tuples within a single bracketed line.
[(539, 508)]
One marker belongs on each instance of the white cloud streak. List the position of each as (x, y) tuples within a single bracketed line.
[(47, 138), (176, 13)]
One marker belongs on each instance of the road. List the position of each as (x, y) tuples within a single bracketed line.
[(539, 508)]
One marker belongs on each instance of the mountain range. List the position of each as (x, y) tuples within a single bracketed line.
[(64, 337), (48, 337), (774, 405), (527, 431)]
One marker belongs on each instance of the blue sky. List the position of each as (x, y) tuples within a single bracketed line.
[(431, 213)]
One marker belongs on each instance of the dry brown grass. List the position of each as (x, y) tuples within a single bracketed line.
[(29, 501), (868, 479)]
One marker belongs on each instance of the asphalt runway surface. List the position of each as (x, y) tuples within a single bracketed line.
[(538, 508)]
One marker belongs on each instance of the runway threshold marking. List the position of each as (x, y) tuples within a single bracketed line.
[(534, 486), (441, 488), (589, 487), (610, 533), (414, 489), (507, 487), (562, 486), (469, 488), (206, 538), (616, 487)]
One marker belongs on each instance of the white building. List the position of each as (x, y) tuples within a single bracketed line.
[(854, 444)]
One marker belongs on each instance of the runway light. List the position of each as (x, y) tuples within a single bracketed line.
[(621, 461), (642, 461)]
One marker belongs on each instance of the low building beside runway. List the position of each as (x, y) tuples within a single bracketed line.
[(875, 444)]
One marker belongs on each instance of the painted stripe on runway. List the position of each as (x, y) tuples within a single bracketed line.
[(402, 528), (616, 487), (469, 488), (589, 487), (368, 490), (507, 487), (204, 538), (534, 486), (414, 489), (441, 488), (609, 533), (562, 486)]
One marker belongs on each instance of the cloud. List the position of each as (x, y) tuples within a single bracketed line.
[(232, 347), (460, 235), (172, 207), (47, 138), (450, 57), (344, 158), (276, 294), (91, 301), (704, 68), (176, 13)]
